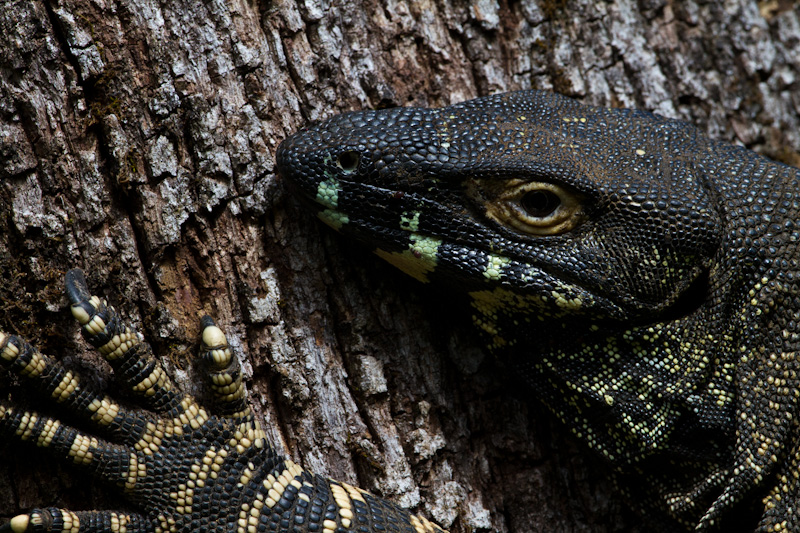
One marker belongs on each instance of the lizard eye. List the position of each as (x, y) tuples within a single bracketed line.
[(540, 203), (535, 207), (348, 161)]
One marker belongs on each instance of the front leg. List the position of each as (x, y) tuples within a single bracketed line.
[(184, 467)]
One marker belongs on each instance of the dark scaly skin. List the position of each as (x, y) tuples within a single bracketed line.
[(639, 277), (655, 314), (185, 468)]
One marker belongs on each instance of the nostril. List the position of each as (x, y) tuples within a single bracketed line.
[(348, 161)]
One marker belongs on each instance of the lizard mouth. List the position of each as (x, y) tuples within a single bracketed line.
[(431, 228), (433, 242)]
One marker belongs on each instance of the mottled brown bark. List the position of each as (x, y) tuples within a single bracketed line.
[(137, 141)]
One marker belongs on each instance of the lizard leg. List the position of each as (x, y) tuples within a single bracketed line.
[(64, 387), (115, 463), (223, 372), (188, 470), (126, 351), (137, 430), (62, 520)]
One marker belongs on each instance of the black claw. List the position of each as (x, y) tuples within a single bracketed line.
[(77, 290)]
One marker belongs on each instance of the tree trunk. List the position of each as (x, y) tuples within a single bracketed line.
[(137, 141)]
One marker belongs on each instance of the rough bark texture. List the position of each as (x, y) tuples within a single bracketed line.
[(137, 141)]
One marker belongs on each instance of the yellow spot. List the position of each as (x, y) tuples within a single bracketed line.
[(490, 304), (95, 325), (418, 260), (410, 223), (19, 524), (153, 382), (355, 493), (26, 424), (10, 352), (328, 193), (136, 471), (119, 523), (80, 314), (48, 432), (119, 345), (66, 388), (82, 448), (214, 337), (640, 152), (423, 525), (494, 268), (192, 415), (333, 218), (565, 302), (35, 366), (342, 498)]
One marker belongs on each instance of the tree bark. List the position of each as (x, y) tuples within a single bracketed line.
[(137, 141)]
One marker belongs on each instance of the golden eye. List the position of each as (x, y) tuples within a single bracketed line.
[(533, 207)]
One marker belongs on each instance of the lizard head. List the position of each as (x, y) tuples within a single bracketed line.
[(527, 201), (626, 267)]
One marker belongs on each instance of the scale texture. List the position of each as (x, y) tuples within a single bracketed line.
[(186, 468), (639, 278)]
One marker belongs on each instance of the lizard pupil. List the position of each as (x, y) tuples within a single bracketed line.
[(348, 161), (541, 203)]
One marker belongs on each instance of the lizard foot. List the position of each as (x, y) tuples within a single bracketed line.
[(185, 468), (135, 449)]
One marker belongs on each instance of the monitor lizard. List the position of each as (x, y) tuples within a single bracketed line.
[(639, 277)]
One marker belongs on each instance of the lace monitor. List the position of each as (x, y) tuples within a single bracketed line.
[(640, 278)]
